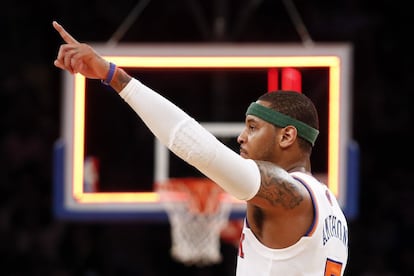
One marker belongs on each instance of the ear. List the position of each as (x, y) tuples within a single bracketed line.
[(289, 135)]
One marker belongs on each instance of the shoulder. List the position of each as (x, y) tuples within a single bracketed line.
[(279, 188)]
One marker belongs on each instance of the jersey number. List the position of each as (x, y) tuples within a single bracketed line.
[(332, 268)]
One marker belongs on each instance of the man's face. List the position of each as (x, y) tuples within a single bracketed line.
[(258, 140)]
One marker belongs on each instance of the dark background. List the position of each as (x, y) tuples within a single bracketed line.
[(34, 242)]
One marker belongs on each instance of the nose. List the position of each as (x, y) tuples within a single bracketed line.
[(241, 138)]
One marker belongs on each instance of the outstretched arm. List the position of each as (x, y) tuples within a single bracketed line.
[(171, 125)]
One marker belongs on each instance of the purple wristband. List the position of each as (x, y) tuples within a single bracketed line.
[(111, 73)]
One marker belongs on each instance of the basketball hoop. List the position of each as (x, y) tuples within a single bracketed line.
[(197, 209)]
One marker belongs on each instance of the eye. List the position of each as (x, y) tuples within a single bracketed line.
[(251, 127)]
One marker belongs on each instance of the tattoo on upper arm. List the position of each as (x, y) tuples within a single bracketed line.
[(276, 187)]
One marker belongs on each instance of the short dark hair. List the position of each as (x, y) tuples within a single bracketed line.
[(296, 105)]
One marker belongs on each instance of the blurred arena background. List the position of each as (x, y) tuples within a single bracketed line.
[(34, 242)]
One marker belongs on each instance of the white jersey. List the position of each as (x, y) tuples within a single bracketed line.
[(322, 251)]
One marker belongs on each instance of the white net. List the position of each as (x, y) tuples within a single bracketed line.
[(197, 210)]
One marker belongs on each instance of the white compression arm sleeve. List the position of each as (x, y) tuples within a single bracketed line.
[(191, 142)]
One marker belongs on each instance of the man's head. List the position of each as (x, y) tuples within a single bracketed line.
[(298, 107), (275, 122)]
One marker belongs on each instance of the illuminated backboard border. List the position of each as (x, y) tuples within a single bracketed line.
[(71, 201)]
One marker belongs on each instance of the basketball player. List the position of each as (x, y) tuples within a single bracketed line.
[(293, 225)]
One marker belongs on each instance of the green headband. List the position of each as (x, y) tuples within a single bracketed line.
[(281, 120)]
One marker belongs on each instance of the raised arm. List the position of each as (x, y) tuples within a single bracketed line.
[(171, 125)]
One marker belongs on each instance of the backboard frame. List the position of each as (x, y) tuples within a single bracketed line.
[(72, 202)]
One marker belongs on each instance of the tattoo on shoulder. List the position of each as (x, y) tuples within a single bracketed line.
[(276, 186)]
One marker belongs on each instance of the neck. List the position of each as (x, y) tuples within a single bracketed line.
[(301, 166)]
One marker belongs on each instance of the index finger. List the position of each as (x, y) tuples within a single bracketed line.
[(64, 34)]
